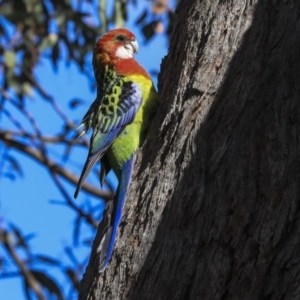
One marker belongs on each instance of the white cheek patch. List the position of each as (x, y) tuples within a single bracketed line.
[(124, 53)]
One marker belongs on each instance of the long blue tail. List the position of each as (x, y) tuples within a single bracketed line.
[(112, 216)]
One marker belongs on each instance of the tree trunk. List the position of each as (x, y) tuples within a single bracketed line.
[(213, 210)]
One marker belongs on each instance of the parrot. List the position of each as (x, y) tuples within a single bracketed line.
[(119, 117)]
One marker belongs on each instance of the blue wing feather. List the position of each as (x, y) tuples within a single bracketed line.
[(108, 125), (99, 143)]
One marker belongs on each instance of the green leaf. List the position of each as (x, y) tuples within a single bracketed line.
[(9, 58), (48, 41), (60, 19), (102, 16), (149, 30), (15, 165), (76, 232), (142, 17), (120, 14), (27, 289), (73, 277), (55, 55), (48, 283), (9, 175), (47, 259), (75, 102), (27, 89)]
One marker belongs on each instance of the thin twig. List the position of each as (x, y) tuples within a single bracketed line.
[(89, 219), (14, 121)]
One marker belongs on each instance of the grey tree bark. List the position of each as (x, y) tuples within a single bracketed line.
[(213, 210)]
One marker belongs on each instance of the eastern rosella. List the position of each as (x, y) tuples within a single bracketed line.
[(119, 116)]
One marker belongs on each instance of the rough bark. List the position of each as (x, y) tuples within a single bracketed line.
[(213, 211)]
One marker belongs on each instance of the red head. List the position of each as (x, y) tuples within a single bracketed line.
[(115, 45), (117, 48)]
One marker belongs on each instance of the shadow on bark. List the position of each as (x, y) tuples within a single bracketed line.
[(230, 229)]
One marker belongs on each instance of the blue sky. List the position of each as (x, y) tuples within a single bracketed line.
[(27, 201)]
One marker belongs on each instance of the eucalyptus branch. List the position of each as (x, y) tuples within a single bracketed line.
[(36, 155), (32, 282), (50, 139)]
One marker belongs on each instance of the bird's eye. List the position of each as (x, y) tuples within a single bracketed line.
[(121, 38)]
